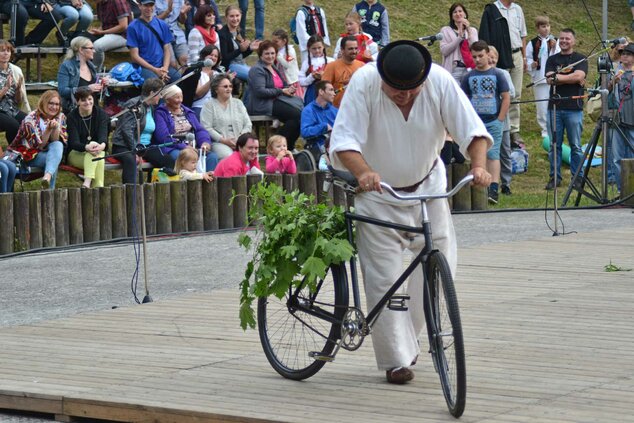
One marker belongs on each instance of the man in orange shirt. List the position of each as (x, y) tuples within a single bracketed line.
[(340, 71)]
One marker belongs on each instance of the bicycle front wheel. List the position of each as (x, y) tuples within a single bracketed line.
[(301, 324), (445, 333)]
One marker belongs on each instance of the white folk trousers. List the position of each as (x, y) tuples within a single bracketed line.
[(381, 253)]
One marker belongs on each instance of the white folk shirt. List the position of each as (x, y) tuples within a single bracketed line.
[(517, 24), (403, 152)]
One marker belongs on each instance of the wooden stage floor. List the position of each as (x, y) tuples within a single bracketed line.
[(549, 338)]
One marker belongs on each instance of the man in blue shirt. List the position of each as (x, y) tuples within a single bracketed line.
[(149, 41), (318, 118), (488, 92)]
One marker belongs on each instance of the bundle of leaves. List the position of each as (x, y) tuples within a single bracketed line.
[(295, 242)]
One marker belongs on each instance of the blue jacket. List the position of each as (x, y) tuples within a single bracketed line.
[(68, 81), (315, 121)]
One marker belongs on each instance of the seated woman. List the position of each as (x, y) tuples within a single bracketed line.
[(14, 104), (73, 12), (243, 161), (269, 94), (42, 136), (88, 137), (203, 34), (174, 121), (224, 117), (77, 71), (203, 87), (233, 44), (125, 141)]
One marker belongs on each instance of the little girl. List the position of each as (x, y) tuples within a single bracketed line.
[(313, 68), (287, 58), (186, 166), (279, 159), (368, 49)]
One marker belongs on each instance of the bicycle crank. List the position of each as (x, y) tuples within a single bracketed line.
[(353, 329)]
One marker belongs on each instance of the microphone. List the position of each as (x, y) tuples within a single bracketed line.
[(431, 38), (616, 41), (187, 137), (595, 91), (207, 63)]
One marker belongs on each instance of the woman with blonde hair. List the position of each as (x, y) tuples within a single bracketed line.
[(42, 136), (77, 71)]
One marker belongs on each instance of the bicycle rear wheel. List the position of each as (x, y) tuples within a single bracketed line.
[(445, 333), (302, 323)]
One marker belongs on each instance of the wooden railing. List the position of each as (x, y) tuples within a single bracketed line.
[(69, 216)]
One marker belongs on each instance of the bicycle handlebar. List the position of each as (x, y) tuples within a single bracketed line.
[(424, 197)]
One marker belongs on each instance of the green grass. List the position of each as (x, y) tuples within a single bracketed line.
[(413, 18)]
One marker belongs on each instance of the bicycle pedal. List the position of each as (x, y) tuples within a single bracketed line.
[(398, 302), (319, 356)]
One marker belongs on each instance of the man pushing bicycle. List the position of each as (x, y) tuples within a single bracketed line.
[(391, 127)]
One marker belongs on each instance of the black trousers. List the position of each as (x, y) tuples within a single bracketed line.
[(42, 29), (21, 20), (10, 125), (128, 161), (291, 117)]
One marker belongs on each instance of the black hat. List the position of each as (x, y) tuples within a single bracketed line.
[(629, 48), (404, 64)]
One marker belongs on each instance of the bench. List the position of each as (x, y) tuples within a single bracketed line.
[(39, 53), (262, 123)]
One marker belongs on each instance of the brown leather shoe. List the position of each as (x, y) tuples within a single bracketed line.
[(399, 375)]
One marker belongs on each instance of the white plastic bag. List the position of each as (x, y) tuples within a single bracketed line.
[(201, 166)]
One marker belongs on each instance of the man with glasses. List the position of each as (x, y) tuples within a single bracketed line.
[(149, 41)]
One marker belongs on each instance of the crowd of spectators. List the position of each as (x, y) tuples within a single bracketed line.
[(299, 90)]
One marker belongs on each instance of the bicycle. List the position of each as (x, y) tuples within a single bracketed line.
[(304, 330)]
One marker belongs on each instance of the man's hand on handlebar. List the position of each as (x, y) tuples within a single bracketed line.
[(481, 177), (369, 181)]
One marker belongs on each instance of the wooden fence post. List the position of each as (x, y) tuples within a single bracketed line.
[(239, 184), (195, 206), (627, 180), (21, 221), (75, 219), (225, 210), (324, 197), (61, 217), (6, 217), (163, 208), (149, 201), (133, 209), (290, 182), (178, 193), (339, 195), (308, 184), (105, 213), (48, 218), (274, 178), (90, 213), (210, 205), (252, 180), (119, 211), (462, 200), (479, 198), (35, 219)]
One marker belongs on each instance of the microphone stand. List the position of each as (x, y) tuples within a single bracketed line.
[(14, 21), (139, 149)]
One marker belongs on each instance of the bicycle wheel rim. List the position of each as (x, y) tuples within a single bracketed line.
[(289, 335), (448, 346)]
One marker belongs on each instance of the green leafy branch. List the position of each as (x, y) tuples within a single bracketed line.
[(614, 268), (295, 242)]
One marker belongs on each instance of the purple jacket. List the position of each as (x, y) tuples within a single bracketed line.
[(165, 128)]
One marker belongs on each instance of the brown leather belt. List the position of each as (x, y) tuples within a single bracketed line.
[(414, 187)]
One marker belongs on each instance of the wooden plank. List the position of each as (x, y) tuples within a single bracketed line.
[(6, 217), (543, 345)]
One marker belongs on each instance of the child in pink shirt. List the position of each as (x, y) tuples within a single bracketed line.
[(279, 159)]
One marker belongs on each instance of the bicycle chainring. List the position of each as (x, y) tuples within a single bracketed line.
[(354, 329)]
